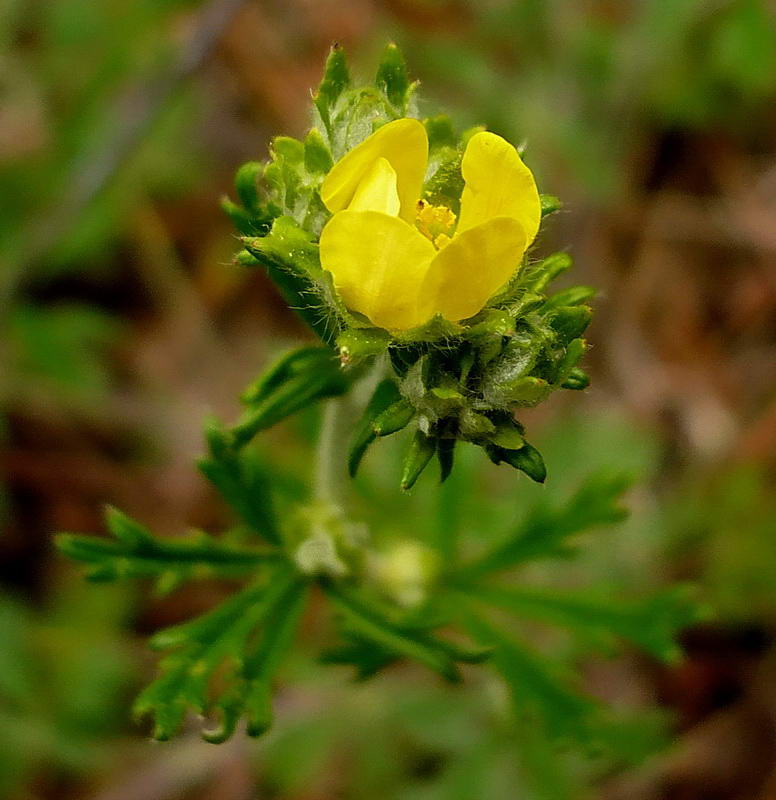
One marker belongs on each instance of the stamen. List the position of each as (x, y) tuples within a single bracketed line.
[(436, 223)]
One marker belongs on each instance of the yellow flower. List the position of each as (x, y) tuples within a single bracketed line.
[(398, 260)]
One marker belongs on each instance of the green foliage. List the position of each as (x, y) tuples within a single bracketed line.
[(135, 553), (244, 640), (436, 600)]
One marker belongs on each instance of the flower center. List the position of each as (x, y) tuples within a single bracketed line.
[(436, 223)]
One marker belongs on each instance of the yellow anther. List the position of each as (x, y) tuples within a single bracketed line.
[(435, 223)]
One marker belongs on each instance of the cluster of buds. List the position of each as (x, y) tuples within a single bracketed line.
[(404, 244)]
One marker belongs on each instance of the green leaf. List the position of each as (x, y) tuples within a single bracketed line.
[(541, 693), (363, 654), (291, 385), (242, 481), (135, 553), (367, 620), (303, 360), (544, 533), (219, 637), (252, 696), (652, 624)]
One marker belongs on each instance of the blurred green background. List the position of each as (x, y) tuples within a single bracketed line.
[(123, 323)]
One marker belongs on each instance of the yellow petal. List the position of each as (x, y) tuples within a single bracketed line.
[(403, 143), (497, 184), (377, 191), (473, 267), (379, 264)]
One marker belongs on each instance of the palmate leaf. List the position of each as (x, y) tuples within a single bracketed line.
[(651, 624), (134, 552), (224, 636), (546, 531), (541, 692), (371, 623), (300, 379), (251, 695), (242, 481)]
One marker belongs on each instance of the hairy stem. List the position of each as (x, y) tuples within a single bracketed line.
[(338, 413), (329, 458)]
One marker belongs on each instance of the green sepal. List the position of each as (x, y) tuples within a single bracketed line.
[(570, 322), (526, 392), (550, 204), (576, 379), (392, 77), (288, 149), (446, 456), (317, 156), (384, 396), (547, 270), (435, 330), (358, 344), (571, 297), (527, 459), (419, 453), (241, 219), (445, 182), (475, 426), (245, 259), (574, 352), (336, 79), (394, 418), (440, 132), (246, 183), (508, 435)]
